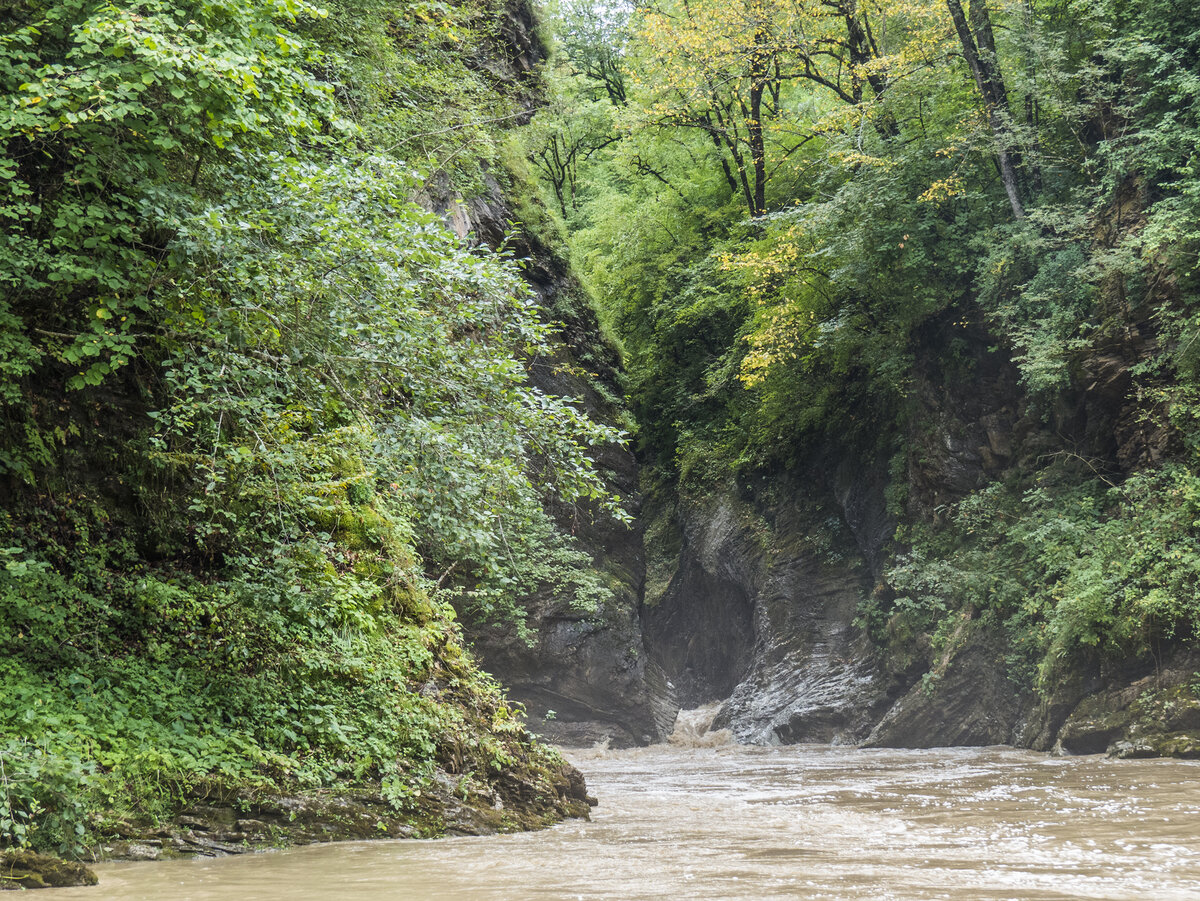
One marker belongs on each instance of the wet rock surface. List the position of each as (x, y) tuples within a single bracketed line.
[(702, 627), (222, 822), (1157, 715), (760, 607), (813, 678), (1148, 709), (28, 870)]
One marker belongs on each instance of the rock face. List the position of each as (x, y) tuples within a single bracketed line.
[(752, 603), (970, 701), (759, 608), (970, 422), (755, 598), (583, 678), (702, 628), (752, 589), (1154, 715), (25, 870), (586, 678)]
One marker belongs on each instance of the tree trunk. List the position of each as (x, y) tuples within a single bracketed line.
[(761, 75), (758, 150), (862, 49), (731, 138), (991, 88)]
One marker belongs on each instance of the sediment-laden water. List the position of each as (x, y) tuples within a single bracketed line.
[(734, 822)]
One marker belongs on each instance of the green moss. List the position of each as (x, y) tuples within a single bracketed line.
[(1181, 744), (663, 542), (27, 870)]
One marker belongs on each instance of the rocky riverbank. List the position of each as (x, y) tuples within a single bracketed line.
[(215, 821), (29, 870), (218, 822)]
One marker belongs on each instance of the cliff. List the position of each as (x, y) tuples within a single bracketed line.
[(584, 676), (773, 594)]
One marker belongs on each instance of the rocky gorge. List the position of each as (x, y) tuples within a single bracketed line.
[(458, 389), (755, 589), (752, 595)]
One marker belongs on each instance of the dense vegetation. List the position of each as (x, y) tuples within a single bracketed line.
[(262, 417), (266, 422), (856, 229)]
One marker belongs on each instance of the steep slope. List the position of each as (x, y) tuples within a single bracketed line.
[(255, 405), (582, 674), (908, 301)]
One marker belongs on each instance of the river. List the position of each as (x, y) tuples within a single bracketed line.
[(735, 822)]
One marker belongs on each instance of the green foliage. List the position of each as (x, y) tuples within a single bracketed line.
[(41, 797), (894, 218), (109, 111), (359, 343), (427, 82), (128, 683), (1071, 566), (594, 38), (257, 401), (890, 266)]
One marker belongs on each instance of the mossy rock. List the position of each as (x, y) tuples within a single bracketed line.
[(1148, 718), (27, 869), (1178, 744), (1093, 730)]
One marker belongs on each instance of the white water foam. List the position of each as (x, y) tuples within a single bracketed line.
[(693, 728)]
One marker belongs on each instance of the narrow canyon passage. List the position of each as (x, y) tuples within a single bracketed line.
[(728, 821)]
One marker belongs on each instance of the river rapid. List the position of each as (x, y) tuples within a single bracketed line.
[(701, 818)]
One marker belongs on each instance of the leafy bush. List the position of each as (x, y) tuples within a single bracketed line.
[(256, 404), (1071, 566)]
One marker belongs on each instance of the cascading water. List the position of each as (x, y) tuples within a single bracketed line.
[(693, 728)]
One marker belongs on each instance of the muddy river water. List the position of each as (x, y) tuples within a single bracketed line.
[(736, 822)]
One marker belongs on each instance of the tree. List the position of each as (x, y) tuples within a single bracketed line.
[(111, 118), (254, 401), (565, 135), (979, 49), (594, 36), (726, 69)]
